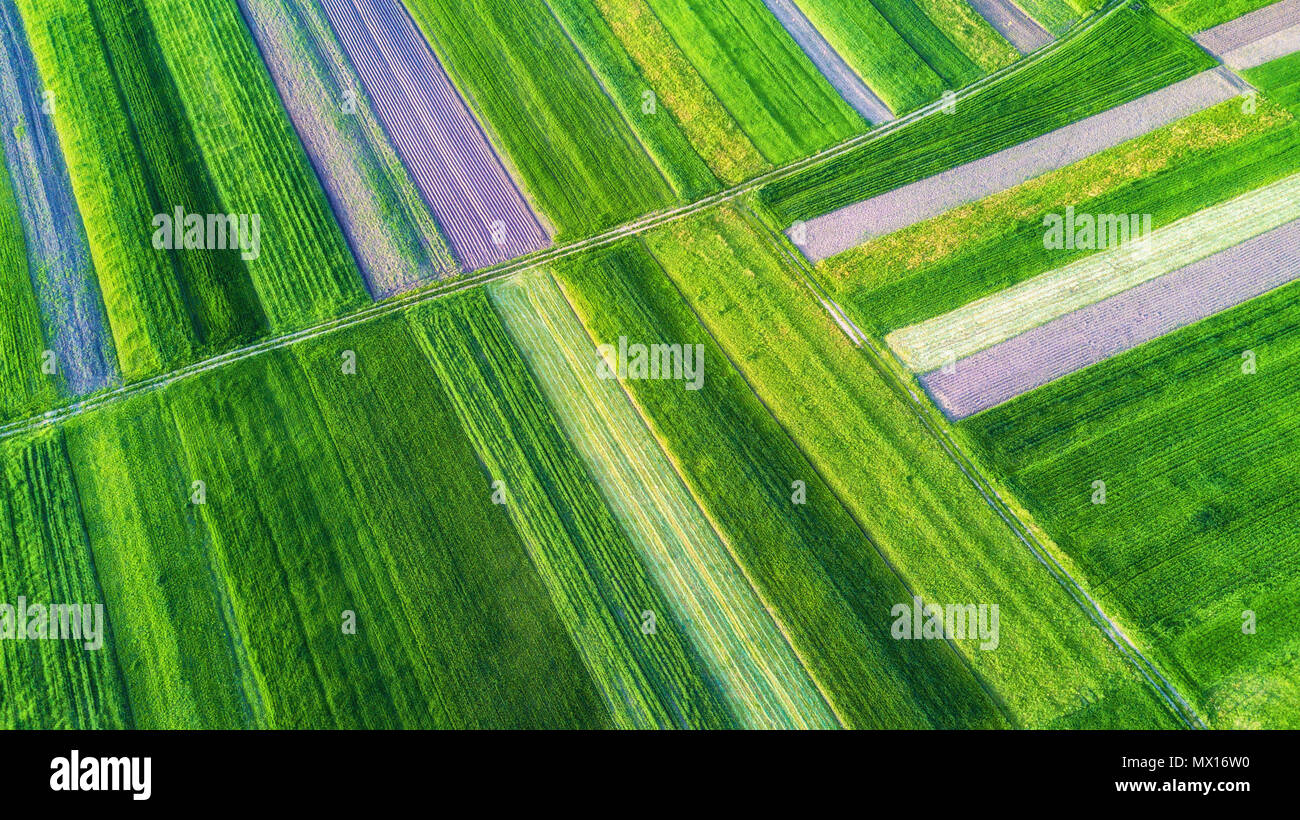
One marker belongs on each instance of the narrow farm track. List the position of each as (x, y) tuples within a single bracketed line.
[(1163, 688), (499, 271)]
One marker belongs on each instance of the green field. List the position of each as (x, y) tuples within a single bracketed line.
[(24, 388), (816, 569), (761, 76), (231, 613), (1197, 15), (1280, 80), (1130, 53), (1197, 527), (568, 143), (762, 679), (153, 118), (1054, 668), (598, 581), (970, 32), (661, 134)]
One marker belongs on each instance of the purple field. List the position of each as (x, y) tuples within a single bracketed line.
[(1124, 321), (475, 202), (74, 322), (389, 228)]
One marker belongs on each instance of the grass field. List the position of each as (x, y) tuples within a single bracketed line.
[(764, 683), (819, 574), (231, 613), (1280, 80), (978, 249), (765, 81), (661, 133), (146, 131), (1197, 15), (598, 581), (45, 558), (572, 149), (896, 50), (23, 387), (679, 88), (1054, 668), (1131, 52), (970, 32), (1196, 529)]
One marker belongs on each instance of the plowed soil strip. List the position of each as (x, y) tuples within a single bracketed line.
[(1122, 322), (828, 61), (1021, 30), (477, 205), (855, 224)]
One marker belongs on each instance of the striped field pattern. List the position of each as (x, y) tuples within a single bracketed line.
[(477, 206)]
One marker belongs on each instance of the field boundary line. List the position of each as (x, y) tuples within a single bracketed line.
[(1167, 692), (456, 284)]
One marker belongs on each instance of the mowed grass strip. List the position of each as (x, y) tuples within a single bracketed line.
[(304, 271), (977, 249), (678, 87), (1052, 667), (597, 580), (1129, 53), (821, 577), (44, 558), (762, 77), (24, 388), (531, 90), (132, 154), (1196, 541), (763, 680)]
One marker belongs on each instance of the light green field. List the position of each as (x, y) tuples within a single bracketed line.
[(530, 89), (1053, 667), (821, 576), (1197, 15), (599, 583), (765, 684), (680, 89), (762, 77), (23, 387)]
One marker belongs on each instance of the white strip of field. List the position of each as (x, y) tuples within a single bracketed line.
[(1256, 38), (1112, 326), (1019, 29), (998, 317), (852, 225), (829, 62)]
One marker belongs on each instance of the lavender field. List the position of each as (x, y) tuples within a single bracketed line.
[(477, 205)]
